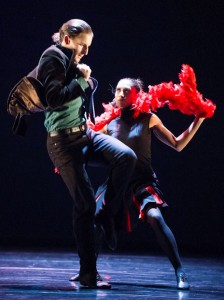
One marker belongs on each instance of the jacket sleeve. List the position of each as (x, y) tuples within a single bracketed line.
[(59, 87)]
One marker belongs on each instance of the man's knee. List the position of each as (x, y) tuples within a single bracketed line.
[(130, 157)]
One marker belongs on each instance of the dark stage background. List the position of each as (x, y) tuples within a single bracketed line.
[(146, 39)]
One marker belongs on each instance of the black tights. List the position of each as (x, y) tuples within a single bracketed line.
[(164, 236)]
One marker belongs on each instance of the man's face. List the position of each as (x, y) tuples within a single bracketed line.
[(80, 44), (125, 94)]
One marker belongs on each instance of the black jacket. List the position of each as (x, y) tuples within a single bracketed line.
[(58, 73)]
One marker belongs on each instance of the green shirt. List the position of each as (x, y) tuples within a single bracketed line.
[(68, 115)]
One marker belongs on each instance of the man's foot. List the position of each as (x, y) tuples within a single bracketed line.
[(88, 281), (182, 282), (76, 277), (103, 285), (108, 227)]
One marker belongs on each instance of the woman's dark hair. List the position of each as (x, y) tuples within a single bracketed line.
[(71, 28), (135, 82)]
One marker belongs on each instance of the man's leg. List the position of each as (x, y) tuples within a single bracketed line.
[(71, 166), (121, 160)]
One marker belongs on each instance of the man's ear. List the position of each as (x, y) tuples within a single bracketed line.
[(67, 39)]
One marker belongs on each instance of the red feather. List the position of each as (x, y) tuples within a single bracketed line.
[(183, 97), (109, 114)]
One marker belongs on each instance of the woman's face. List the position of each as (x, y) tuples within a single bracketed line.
[(125, 94)]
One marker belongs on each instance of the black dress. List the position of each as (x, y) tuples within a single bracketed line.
[(144, 190)]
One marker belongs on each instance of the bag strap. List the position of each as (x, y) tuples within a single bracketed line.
[(95, 84), (90, 101)]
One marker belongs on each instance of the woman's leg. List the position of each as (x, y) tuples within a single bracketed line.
[(168, 243), (164, 236)]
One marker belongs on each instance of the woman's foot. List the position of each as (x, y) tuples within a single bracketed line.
[(182, 282)]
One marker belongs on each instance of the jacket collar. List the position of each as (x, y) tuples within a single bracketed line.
[(68, 52)]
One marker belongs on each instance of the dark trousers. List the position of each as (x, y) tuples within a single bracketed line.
[(70, 153)]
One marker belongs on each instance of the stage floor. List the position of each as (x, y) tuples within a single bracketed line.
[(44, 274)]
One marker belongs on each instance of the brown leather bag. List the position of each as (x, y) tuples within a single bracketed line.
[(26, 97)]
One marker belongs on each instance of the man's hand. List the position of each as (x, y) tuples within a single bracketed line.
[(86, 71)]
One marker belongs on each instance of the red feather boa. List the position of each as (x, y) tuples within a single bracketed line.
[(183, 97)]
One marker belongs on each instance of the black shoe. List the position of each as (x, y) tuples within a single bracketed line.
[(76, 277), (88, 281), (108, 227), (103, 285), (182, 282)]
